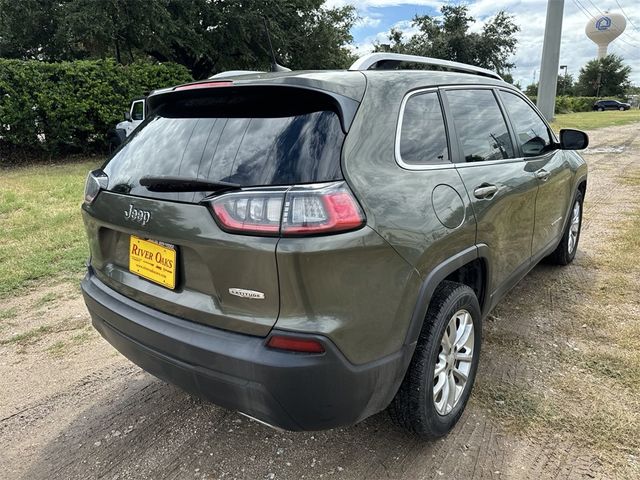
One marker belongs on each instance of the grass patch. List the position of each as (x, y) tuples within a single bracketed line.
[(34, 335), (8, 313), (58, 349), (621, 256), (41, 231), (514, 405), (614, 367), (590, 393), (29, 337), (82, 337), (47, 298), (632, 180), (62, 347), (593, 120)]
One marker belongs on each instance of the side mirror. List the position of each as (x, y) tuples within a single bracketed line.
[(573, 139), (127, 116)]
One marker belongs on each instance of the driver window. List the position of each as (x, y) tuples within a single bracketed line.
[(137, 111), (531, 131)]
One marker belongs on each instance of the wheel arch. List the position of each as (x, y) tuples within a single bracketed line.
[(582, 186), (470, 267)]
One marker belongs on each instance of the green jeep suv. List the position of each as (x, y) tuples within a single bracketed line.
[(310, 248)]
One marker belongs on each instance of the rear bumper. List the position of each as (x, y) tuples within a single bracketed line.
[(236, 371)]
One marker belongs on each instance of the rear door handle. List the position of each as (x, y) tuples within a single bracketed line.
[(542, 175), (485, 191)]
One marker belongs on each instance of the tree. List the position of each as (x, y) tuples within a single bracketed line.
[(564, 86), (450, 38), (203, 35), (604, 77), (508, 77), (531, 90)]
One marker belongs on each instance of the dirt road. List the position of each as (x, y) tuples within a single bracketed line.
[(72, 407)]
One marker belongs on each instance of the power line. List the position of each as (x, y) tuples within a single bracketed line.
[(614, 26), (589, 16), (625, 14)]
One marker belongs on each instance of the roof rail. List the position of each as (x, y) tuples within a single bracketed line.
[(370, 60)]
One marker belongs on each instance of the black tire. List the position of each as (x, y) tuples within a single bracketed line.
[(600, 109), (414, 406), (563, 254), (622, 109)]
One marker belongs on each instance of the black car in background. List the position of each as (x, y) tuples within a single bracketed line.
[(602, 105)]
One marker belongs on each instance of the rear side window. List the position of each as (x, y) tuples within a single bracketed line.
[(532, 133), (423, 138), (267, 149), (480, 125)]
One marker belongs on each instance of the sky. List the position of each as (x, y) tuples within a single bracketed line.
[(377, 17)]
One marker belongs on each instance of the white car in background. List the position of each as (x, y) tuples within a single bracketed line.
[(132, 119), (138, 112)]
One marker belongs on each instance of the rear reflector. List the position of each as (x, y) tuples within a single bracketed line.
[(318, 209), (295, 344), (192, 86)]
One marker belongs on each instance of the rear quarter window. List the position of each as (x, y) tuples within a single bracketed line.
[(423, 136)]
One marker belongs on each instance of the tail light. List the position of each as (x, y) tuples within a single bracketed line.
[(299, 210), (96, 180)]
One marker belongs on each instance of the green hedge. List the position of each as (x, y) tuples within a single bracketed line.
[(566, 104), (52, 108)]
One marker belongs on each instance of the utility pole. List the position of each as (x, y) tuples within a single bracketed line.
[(550, 58)]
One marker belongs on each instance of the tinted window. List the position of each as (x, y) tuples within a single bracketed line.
[(480, 125), (423, 138), (137, 112), (249, 151), (531, 131)]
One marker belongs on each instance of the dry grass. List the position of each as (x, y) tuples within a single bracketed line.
[(34, 335), (62, 348), (589, 390)]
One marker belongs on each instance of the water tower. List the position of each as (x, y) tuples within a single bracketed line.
[(604, 29)]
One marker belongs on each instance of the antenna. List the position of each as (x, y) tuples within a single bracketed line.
[(275, 66)]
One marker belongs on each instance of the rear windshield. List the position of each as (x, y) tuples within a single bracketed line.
[(251, 151)]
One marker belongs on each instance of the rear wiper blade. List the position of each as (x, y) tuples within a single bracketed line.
[(183, 184)]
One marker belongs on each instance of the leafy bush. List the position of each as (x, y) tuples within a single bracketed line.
[(66, 107), (566, 104)]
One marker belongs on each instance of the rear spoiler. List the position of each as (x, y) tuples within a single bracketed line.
[(255, 99)]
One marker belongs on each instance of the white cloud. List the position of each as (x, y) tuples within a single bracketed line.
[(576, 49), (368, 21), (366, 46)]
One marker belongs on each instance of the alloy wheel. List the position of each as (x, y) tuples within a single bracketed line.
[(574, 227), (454, 362)]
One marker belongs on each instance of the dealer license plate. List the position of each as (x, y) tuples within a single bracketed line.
[(153, 261)]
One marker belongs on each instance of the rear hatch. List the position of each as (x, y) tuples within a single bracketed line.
[(162, 246)]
